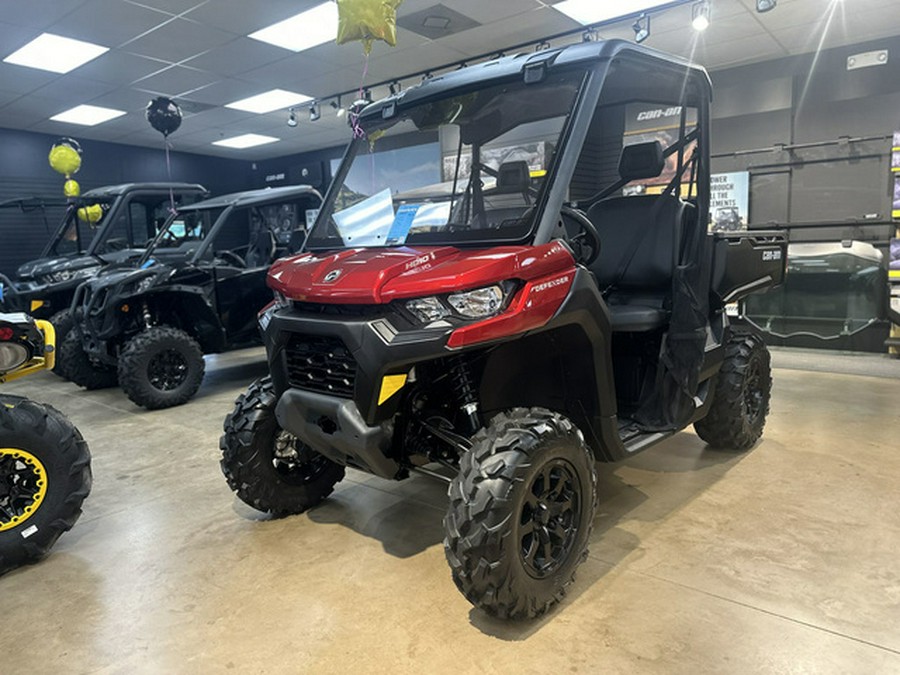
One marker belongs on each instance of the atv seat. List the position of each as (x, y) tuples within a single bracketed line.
[(641, 239)]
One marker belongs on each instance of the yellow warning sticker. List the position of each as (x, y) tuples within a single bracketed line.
[(390, 385)]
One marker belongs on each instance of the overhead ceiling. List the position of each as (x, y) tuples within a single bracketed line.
[(198, 52)]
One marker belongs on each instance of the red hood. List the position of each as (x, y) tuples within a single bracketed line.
[(380, 275)]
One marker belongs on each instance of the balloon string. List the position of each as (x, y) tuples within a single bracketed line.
[(358, 131), (169, 172)]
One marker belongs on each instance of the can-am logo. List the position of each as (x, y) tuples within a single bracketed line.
[(332, 276), (658, 114)]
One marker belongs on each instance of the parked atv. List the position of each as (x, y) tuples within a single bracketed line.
[(45, 464), (130, 215), (197, 290), (508, 334)]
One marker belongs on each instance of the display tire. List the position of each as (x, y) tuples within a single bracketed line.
[(741, 397), (161, 367), (48, 437), (78, 367), (495, 508), (251, 465), (63, 323)]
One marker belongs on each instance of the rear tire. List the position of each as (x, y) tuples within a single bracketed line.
[(62, 323), (268, 468), (521, 512), (161, 367), (741, 398), (38, 443), (78, 367)]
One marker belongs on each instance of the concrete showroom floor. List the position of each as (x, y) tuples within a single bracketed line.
[(780, 560)]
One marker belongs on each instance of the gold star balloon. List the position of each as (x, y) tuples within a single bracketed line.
[(367, 21)]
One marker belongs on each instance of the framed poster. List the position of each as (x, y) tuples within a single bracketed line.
[(729, 201)]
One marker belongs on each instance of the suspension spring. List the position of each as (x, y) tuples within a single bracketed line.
[(464, 387)]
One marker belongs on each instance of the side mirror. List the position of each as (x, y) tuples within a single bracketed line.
[(642, 160)]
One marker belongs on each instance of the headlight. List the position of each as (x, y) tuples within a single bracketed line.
[(427, 310), (139, 286), (478, 304), (66, 275), (12, 355)]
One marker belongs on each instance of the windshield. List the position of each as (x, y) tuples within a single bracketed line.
[(79, 226), (471, 169), (183, 233)]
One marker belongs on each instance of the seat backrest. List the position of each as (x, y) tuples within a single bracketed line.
[(657, 220), (513, 177)]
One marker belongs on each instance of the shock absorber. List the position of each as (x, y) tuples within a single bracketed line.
[(464, 387)]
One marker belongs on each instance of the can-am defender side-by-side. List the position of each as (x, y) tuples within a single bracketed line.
[(130, 215), (45, 464), (197, 290), (512, 331)]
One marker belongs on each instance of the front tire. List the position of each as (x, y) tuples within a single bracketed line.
[(45, 475), (161, 367), (62, 324), (741, 398), (78, 368), (268, 468), (521, 512)]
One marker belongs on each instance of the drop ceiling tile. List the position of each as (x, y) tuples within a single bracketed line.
[(7, 97), (120, 68), (22, 80), (170, 6), (479, 10), (37, 13), (221, 116), (290, 73), (232, 15), (74, 90), (174, 81), (13, 38), (127, 99), (121, 22), (178, 40), (519, 28), (226, 90), (237, 57)]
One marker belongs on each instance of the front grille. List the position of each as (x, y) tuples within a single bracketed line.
[(321, 364)]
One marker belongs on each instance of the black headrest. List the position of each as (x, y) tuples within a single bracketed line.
[(642, 160), (513, 177)]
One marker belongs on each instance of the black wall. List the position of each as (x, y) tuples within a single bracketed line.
[(807, 100), (25, 172)]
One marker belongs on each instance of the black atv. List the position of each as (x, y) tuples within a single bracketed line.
[(45, 464), (108, 225), (507, 334), (197, 290)]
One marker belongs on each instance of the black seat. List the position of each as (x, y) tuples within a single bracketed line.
[(638, 290)]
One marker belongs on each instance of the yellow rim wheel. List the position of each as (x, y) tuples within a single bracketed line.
[(23, 486)]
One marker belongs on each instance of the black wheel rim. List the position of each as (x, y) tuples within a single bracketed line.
[(295, 462), (549, 520), (23, 486), (753, 392), (167, 370)]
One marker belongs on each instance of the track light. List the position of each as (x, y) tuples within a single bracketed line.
[(641, 28), (541, 46), (765, 5), (367, 94), (292, 118), (339, 110), (314, 112), (590, 35), (395, 88), (700, 15)]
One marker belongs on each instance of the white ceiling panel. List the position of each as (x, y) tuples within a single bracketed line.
[(174, 81), (172, 6), (74, 90), (120, 68), (290, 73), (178, 40), (21, 80), (37, 13), (14, 37), (243, 18), (121, 22), (238, 56)]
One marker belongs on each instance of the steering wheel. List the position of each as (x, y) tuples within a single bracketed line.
[(232, 257), (588, 237)]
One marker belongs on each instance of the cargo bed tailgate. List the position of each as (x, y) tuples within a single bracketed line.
[(747, 262)]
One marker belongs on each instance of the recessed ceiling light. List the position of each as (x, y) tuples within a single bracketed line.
[(269, 101), (590, 11), (246, 141), (87, 115), (55, 53), (308, 29)]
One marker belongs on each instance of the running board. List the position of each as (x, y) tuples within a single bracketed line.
[(644, 440)]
